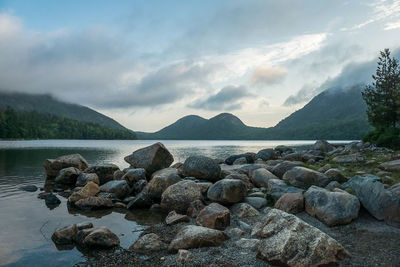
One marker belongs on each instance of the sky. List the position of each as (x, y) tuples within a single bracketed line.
[(149, 63)]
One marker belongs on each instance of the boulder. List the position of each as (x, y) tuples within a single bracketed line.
[(280, 169), (89, 190), (161, 180), (65, 235), (227, 191), (105, 172), (174, 218), (332, 208), (295, 156), (119, 188), (332, 185), (192, 236), (194, 208), (260, 177), (151, 158), (240, 161), (179, 196), (148, 242), (141, 201), (256, 202), (266, 154), (100, 237), (289, 241), (277, 188), (249, 158), (248, 169), (134, 175), (291, 203), (283, 149), (348, 159), (84, 225), (84, 178), (336, 175), (67, 176), (214, 216), (53, 166), (392, 166), (323, 146), (304, 178), (244, 210), (202, 167), (94, 203)]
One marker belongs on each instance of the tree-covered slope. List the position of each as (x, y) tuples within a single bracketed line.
[(34, 125), (47, 104)]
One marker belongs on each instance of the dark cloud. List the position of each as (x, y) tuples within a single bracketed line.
[(228, 98)]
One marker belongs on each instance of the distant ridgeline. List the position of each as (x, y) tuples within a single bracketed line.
[(24, 116), (333, 114)]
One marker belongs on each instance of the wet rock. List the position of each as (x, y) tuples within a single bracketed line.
[(93, 203), (67, 176), (184, 257), (332, 208), (249, 158), (227, 191), (174, 218), (84, 225), (100, 237), (148, 242), (89, 190), (244, 210), (291, 203), (84, 178), (348, 159), (194, 208), (323, 146), (304, 178), (142, 200), (202, 167), (289, 241), (246, 243), (65, 235), (134, 175), (393, 165), (280, 169), (28, 188), (105, 172), (192, 236), (119, 188), (283, 149), (53, 166), (161, 180), (336, 175), (214, 216), (52, 200), (256, 202), (151, 158), (179, 196), (260, 177)]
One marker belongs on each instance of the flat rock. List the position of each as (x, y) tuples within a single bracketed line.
[(348, 159), (393, 165)]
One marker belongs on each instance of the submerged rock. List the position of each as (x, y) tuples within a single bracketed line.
[(52, 200), (202, 167), (93, 203), (28, 188)]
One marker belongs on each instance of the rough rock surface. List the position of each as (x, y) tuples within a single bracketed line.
[(179, 196), (65, 235), (194, 208), (393, 165), (119, 188), (291, 203), (67, 176), (89, 190), (100, 237), (134, 175), (227, 191), (289, 241), (214, 216), (105, 172), (148, 242), (256, 202), (53, 166), (174, 218), (84, 178), (260, 177), (280, 169), (304, 178), (244, 210), (161, 180), (93, 203), (202, 167)]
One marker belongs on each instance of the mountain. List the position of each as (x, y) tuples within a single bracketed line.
[(46, 104), (333, 114)]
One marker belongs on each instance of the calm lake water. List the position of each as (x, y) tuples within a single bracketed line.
[(27, 224)]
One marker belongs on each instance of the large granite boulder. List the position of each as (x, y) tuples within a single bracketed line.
[(304, 178), (160, 180), (332, 208), (393, 165), (266, 154), (227, 191), (84, 178), (291, 203), (201, 167), (286, 240), (280, 169), (179, 196), (323, 146), (98, 237), (151, 158), (260, 177), (192, 236), (214, 216), (119, 188), (134, 175), (89, 190), (53, 166), (67, 176), (105, 172), (336, 175), (147, 243)]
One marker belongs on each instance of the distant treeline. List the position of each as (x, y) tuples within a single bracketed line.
[(33, 125)]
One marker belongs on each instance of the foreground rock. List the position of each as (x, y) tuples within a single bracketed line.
[(105, 172), (119, 188), (244, 210), (214, 216), (192, 236), (151, 158), (89, 190), (99, 237), (148, 242), (65, 235), (161, 180), (332, 208), (53, 166), (179, 196), (174, 218), (260, 177), (291, 203), (84, 178), (304, 178), (289, 241), (202, 167), (227, 191), (132, 176)]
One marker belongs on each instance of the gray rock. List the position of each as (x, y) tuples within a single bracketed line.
[(84, 178), (246, 243), (277, 189), (323, 146), (94, 203), (148, 242), (304, 178), (184, 257), (260, 177), (65, 235), (392, 166), (240, 161), (142, 200), (134, 175), (151, 158), (67, 176), (332, 208), (291, 203), (266, 154), (119, 188), (325, 168), (332, 185), (249, 158), (283, 149), (214, 216), (295, 156), (161, 180), (244, 210), (280, 169), (336, 175), (118, 175), (52, 200), (204, 187), (99, 237), (53, 166), (256, 202), (84, 225), (192, 236), (347, 159), (105, 172), (202, 167), (227, 191), (289, 241), (194, 208), (179, 196), (174, 218)]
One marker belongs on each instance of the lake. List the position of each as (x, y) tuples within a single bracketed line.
[(27, 224)]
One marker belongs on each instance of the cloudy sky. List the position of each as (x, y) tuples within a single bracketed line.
[(148, 63)]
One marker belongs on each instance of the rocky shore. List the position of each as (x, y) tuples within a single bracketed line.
[(321, 206)]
